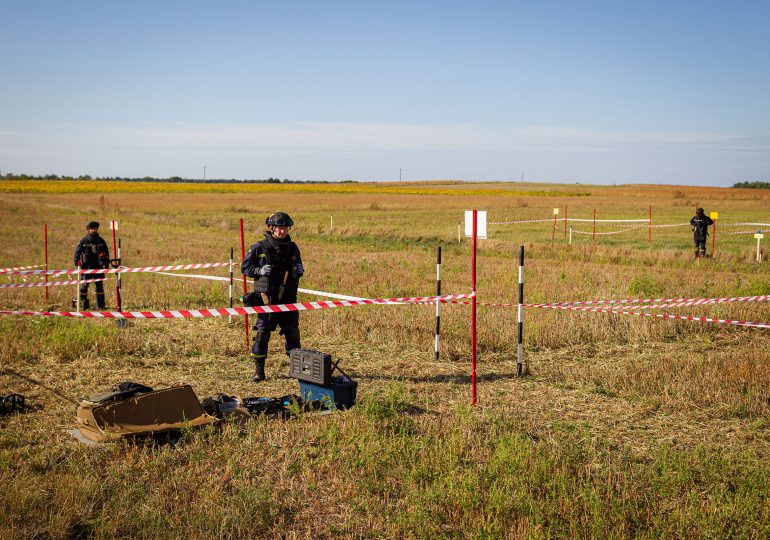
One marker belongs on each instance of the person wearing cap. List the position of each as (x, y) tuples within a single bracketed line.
[(700, 224), (275, 264), (92, 253)]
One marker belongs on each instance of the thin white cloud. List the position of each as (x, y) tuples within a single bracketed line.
[(376, 137), (373, 151)]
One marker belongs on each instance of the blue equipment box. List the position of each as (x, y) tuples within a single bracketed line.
[(341, 393)]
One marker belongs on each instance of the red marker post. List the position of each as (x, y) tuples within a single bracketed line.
[(114, 227), (45, 259), (245, 316), (473, 311)]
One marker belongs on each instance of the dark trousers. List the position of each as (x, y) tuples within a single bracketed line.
[(99, 285), (266, 323), (700, 247)]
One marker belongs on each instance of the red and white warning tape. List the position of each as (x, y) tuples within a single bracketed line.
[(708, 301), (604, 221), (589, 220), (16, 268), (49, 284), (521, 221), (618, 311), (749, 232), (224, 312), (626, 229), (660, 315), (744, 224), (306, 291), (122, 269), (667, 302), (196, 276), (664, 225), (641, 304)]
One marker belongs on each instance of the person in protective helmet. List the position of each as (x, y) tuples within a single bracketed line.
[(700, 224), (275, 264), (90, 253)]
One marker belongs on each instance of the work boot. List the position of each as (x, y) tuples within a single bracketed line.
[(84, 304), (259, 370)]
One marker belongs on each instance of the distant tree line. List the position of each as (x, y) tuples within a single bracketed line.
[(753, 185), (172, 179)]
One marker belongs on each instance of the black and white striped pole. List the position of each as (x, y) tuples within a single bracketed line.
[(438, 303), (520, 353)]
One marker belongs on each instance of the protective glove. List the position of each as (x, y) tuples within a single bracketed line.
[(300, 269), (265, 270)]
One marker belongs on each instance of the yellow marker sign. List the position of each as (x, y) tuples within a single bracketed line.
[(555, 211), (714, 215), (759, 236)]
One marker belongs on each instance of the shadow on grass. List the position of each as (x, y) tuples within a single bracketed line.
[(54, 391), (450, 378)]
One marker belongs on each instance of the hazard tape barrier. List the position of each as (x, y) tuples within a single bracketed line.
[(744, 224), (224, 312), (664, 225), (645, 221), (618, 310), (589, 220), (658, 315), (122, 269), (643, 303), (638, 303), (749, 232), (520, 221), (678, 301), (608, 232), (197, 276), (306, 291), (17, 268), (49, 284)]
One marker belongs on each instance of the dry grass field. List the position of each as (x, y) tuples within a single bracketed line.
[(624, 426)]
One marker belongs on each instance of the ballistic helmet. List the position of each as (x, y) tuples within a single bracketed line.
[(699, 210), (92, 225), (279, 219)]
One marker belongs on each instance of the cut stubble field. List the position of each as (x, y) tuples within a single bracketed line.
[(624, 426)]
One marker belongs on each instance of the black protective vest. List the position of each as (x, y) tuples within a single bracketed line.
[(700, 226), (90, 252), (283, 258)]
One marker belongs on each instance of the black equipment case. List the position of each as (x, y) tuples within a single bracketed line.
[(311, 366)]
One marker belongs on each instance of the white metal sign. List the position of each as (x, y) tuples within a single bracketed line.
[(481, 224)]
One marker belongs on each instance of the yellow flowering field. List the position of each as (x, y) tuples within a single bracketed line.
[(107, 186)]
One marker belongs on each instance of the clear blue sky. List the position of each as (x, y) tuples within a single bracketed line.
[(671, 92)]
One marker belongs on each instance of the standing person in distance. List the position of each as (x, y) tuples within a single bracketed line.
[(92, 253), (700, 224), (275, 264)]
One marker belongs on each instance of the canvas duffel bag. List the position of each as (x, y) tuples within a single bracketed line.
[(166, 409)]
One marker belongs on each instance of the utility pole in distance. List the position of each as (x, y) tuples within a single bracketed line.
[(399, 175), (204, 172)]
